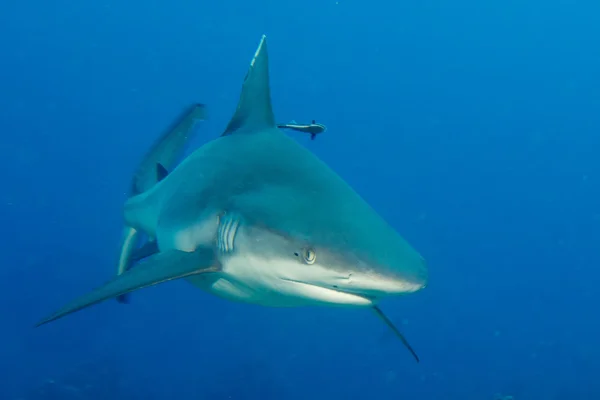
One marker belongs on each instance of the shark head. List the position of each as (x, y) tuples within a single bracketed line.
[(323, 272), (327, 247)]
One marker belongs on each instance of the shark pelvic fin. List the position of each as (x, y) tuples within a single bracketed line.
[(162, 267), (148, 249), (130, 256), (129, 242), (254, 111), (391, 325)]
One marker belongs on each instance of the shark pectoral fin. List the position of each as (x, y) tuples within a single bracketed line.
[(389, 323), (162, 267)]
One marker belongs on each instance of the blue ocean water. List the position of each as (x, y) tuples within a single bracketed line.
[(471, 126)]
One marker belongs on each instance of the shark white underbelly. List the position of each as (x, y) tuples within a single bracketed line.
[(252, 280)]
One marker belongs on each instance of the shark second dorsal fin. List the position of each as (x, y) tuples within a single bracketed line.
[(254, 111)]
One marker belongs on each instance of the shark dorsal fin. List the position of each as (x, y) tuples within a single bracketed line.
[(254, 112)]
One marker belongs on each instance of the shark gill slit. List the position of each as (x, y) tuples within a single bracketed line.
[(227, 230)]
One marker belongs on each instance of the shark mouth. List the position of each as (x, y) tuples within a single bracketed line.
[(327, 295)]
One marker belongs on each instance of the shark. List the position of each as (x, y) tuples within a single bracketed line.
[(254, 216)]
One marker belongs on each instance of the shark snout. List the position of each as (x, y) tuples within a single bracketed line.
[(377, 285), (381, 283)]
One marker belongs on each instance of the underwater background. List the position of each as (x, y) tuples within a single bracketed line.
[(471, 126)]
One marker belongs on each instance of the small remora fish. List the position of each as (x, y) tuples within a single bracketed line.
[(253, 216), (313, 128)]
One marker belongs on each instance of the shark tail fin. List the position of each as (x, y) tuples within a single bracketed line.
[(154, 166), (167, 150), (396, 331), (254, 112)]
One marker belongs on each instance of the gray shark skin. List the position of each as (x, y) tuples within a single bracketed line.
[(253, 216)]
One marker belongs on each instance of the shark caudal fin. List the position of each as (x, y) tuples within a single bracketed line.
[(167, 150), (154, 166)]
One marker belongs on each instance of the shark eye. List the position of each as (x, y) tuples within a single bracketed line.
[(310, 256)]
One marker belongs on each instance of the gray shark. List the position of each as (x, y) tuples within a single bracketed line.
[(253, 216)]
